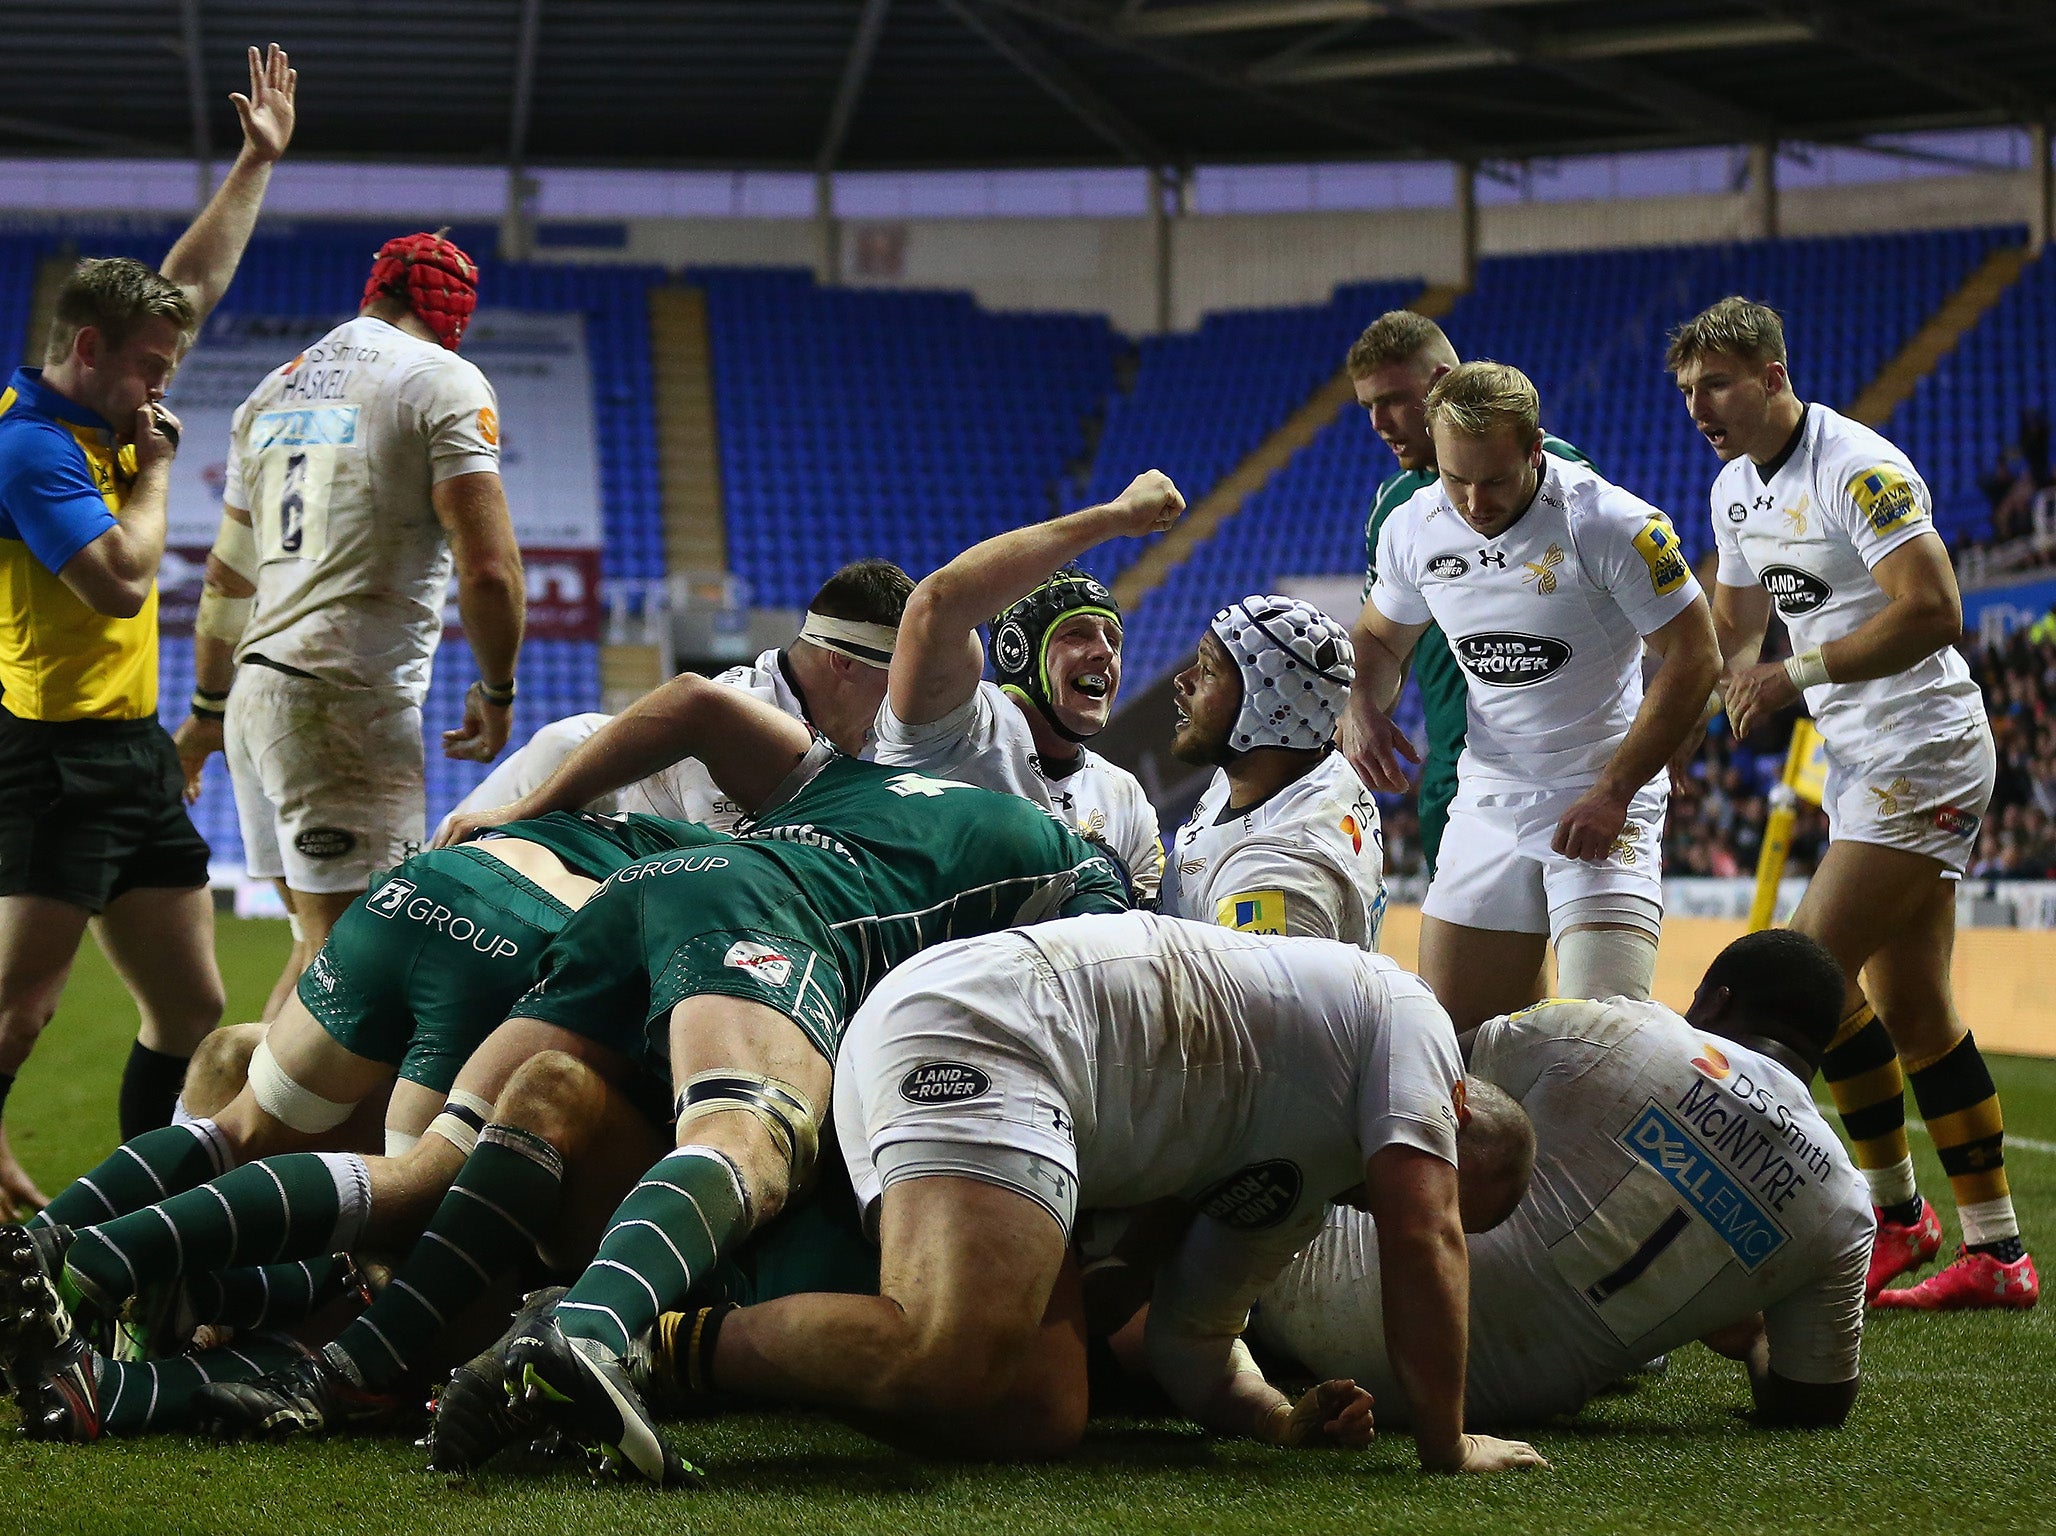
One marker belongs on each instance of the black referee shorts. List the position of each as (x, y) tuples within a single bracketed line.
[(90, 809)]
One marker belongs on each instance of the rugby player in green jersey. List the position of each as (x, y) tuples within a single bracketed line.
[(1393, 365), (728, 974)]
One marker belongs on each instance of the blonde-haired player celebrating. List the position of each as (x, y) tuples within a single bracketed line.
[(1548, 580), (1826, 519), (358, 474)]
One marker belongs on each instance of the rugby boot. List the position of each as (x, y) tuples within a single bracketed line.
[(64, 1405), (309, 1397), (33, 1313), (1901, 1247), (588, 1395), (50, 1367), (476, 1417), (1976, 1281)]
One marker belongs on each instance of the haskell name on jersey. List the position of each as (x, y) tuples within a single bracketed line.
[(1546, 620)]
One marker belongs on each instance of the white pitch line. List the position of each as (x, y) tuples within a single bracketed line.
[(2027, 1143)]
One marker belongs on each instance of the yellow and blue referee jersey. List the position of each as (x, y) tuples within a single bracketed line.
[(62, 480)]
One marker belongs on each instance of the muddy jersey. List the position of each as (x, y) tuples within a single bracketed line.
[(335, 456), (1681, 1183), (1546, 620), (1842, 501), (1308, 861), (987, 742)]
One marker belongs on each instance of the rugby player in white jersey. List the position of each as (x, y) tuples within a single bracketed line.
[(1286, 838), (1684, 1183), (992, 1088), (832, 676), (1548, 582), (1056, 647), (358, 473), (1830, 522)]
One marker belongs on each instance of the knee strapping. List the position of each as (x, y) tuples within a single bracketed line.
[(464, 1116), (1605, 962), (794, 1123), (287, 1102)]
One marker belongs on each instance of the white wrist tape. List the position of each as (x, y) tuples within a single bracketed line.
[(221, 617), (1808, 670), (287, 1102)]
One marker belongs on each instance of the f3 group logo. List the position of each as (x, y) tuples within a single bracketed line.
[(390, 899)]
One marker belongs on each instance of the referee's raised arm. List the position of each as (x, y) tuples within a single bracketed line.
[(205, 257)]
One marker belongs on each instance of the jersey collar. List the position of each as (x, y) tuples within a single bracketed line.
[(28, 384), (1765, 473)]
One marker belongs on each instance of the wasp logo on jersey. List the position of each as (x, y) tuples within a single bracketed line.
[(1795, 517), (1503, 660), (1449, 567), (1889, 796), (1885, 496), (1657, 544), (1795, 591), (1543, 571), (1252, 912)]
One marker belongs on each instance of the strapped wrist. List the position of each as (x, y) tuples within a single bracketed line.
[(208, 705), (500, 695), (1808, 670)]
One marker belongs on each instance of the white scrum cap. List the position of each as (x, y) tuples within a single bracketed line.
[(1296, 664)]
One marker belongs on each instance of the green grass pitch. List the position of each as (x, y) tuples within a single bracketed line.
[(1953, 1432)]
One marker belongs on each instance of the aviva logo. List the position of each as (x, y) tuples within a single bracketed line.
[(1252, 912)]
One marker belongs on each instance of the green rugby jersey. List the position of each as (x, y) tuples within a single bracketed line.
[(1445, 697), (895, 861), (595, 845)]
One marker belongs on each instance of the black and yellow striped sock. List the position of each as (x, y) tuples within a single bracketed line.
[(1961, 1107), (1862, 1072)]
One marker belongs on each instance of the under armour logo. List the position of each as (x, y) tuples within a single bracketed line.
[(1494, 558), (1061, 1121), (1763, 503)]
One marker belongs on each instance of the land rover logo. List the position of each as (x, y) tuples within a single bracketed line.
[(1502, 660), (1261, 1195), (324, 842), (1737, 512), (1795, 591), (943, 1082), (1449, 567)]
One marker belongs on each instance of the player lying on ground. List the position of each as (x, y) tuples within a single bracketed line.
[(1286, 838), (415, 976), (992, 1088), (1549, 581), (1684, 1184), (831, 675), (726, 978), (1056, 649), (1824, 518)]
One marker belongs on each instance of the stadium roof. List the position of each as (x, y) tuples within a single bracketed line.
[(953, 83)]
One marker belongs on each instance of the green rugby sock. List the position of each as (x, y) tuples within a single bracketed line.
[(267, 1295), (670, 1230), (301, 1205), (155, 1166), (475, 1236), (156, 1396)]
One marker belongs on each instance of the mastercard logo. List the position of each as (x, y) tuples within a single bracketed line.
[(1711, 1062), (489, 425), (1353, 832)]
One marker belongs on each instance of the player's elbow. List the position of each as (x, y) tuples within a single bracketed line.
[(1939, 619), (492, 574)]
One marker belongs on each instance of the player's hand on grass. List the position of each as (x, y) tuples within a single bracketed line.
[(1336, 1413), (196, 740), (1482, 1453), (1592, 826), (484, 731), (19, 1197), (1151, 504), (268, 111), (1375, 746), (1756, 694)]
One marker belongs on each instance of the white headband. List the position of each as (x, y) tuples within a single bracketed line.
[(869, 643)]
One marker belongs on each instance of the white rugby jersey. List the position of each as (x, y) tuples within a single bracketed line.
[(1682, 1183), (683, 792), (334, 457), (1308, 861), (1844, 500), (987, 742), (1546, 619)]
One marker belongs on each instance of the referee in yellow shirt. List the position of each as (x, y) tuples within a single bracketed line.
[(92, 823)]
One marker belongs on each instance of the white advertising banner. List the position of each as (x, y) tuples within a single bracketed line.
[(549, 451)]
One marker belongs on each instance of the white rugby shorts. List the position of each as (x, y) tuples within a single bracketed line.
[(328, 780), (1927, 796), (1497, 871), (955, 1067)]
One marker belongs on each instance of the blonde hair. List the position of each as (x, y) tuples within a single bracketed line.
[(1740, 327), (1397, 336), (115, 295), (1476, 397)]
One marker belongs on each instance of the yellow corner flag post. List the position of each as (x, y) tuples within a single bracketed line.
[(1804, 778)]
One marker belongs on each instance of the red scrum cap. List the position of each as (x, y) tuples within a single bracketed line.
[(432, 277)]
